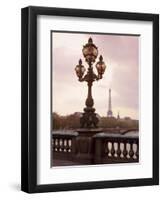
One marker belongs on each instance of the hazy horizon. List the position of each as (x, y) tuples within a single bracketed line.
[(121, 56)]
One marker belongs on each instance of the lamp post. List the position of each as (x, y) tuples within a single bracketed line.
[(89, 118)]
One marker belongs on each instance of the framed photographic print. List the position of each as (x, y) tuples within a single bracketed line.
[(90, 99)]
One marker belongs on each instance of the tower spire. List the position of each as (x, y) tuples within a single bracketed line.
[(109, 113), (118, 116)]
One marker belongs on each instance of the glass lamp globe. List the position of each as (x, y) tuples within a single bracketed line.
[(80, 69), (90, 51), (100, 66)]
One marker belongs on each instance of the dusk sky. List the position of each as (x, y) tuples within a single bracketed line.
[(121, 56)]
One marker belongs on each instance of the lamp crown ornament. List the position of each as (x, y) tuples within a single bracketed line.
[(80, 61), (90, 40), (89, 118), (101, 58)]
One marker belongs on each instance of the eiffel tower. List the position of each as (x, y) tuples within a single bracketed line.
[(109, 113)]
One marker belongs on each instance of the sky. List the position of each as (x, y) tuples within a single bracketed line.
[(121, 56)]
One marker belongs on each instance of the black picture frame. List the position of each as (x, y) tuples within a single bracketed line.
[(29, 99)]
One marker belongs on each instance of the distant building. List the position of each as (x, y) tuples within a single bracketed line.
[(127, 118), (77, 114), (118, 116)]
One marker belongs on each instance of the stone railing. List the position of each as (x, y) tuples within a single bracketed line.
[(116, 148), (64, 145), (102, 148)]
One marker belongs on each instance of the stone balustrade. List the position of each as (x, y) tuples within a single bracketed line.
[(102, 148), (64, 145), (116, 148)]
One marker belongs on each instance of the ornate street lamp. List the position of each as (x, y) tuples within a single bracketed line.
[(89, 118)]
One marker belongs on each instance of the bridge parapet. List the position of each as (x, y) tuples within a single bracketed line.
[(102, 148)]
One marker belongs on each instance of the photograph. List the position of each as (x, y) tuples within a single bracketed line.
[(94, 98), (90, 99)]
